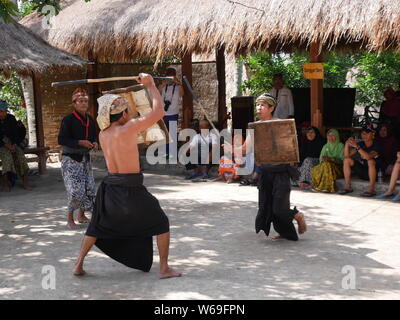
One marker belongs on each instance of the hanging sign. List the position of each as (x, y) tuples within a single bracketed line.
[(314, 70)]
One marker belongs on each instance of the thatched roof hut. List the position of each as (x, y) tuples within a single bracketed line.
[(121, 30), (24, 52)]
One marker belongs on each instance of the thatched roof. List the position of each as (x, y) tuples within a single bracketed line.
[(24, 52), (122, 30)]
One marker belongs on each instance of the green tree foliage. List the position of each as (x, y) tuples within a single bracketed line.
[(373, 72), (11, 91), (376, 72), (8, 9), (264, 65)]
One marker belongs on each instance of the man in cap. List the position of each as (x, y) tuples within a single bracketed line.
[(126, 216), (361, 158), (12, 156), (274, 187)]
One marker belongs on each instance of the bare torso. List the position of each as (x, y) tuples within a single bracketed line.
[(120, 149)]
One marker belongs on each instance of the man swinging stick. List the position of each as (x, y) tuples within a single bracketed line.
[(126, 216)]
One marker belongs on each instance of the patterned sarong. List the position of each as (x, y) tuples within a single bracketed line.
[(14, 162), (324, 176), (79, 182)]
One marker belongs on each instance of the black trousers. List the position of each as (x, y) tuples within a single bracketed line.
[(274, 203)]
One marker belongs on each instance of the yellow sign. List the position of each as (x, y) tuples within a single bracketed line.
[(313, 70)]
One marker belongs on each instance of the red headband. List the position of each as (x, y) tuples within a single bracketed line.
[(79, 93)]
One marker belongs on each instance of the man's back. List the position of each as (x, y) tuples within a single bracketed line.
[(119, 140), (120, 150)]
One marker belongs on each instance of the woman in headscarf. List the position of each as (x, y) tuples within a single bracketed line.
[(324, 175), (78, 137), (388, 146), (309, 155)]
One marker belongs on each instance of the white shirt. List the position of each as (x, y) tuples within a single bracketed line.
[(284, 107), (168, 93), (204, 142)]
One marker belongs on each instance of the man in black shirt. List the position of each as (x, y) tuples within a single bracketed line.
[(78, 137), (12, 156), (361, 158)]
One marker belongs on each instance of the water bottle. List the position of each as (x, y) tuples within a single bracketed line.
[(380, 176)]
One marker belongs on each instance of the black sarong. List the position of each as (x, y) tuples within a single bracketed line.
[(125, 219), (274, 201)]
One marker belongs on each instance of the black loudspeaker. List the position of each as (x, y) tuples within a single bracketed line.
[(242, 112), (338, 106)]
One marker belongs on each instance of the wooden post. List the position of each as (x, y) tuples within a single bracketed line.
[(92, 88), (222, 110), (317, 101), (39, 121), (187, 103)]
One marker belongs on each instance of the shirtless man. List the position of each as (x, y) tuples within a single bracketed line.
[(119, 144)]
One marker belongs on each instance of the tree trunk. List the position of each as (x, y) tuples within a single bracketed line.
[(27, 88)]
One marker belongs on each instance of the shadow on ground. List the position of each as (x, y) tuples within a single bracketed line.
[(212, 242)]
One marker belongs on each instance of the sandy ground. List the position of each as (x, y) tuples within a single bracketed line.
[(351, 250)]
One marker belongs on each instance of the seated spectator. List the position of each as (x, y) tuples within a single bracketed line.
[(11, 155), (302, 133), (329, 169), (361, 158), (389, 146), (309, 156), (394, 176), (390, 111), (205, 144), (230, 162)]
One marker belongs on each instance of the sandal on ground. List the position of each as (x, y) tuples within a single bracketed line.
[(368, 194), (244, 182), (384, 196), (345, 191), (193, 175)]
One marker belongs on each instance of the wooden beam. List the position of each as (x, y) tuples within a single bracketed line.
[(39, 121), (317, 99), (187, 103), (222, 109), (93, 89)]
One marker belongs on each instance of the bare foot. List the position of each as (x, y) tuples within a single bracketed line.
[(72, 225), (278, 237), (301, 222), (169, 273), (78, 271)]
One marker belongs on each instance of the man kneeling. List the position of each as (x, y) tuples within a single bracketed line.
[(126, 216)]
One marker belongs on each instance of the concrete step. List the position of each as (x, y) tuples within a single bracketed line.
[(359, 185)]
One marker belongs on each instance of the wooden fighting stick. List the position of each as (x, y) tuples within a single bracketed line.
[(88, 81), (196, 100)]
